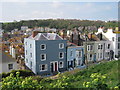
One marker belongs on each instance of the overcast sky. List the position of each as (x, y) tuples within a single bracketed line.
[(65, 10)]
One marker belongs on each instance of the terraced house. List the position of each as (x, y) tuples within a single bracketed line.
[(45, 53)]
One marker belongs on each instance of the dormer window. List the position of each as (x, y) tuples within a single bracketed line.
[(42, 46), (61, 45)]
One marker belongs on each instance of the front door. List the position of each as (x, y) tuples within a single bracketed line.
[(54, 66)]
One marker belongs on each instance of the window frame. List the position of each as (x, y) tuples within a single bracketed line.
[(41, 57), (60, 64), (9, 66), (46, 67), (59, 55), (30, 45), (41, 47), (60, 45)]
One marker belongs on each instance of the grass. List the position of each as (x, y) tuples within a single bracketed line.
[(79, 76)]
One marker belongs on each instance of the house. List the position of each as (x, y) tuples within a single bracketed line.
[(45, 53), (97, 48), (114, 37), (7, 63), (75, 56)]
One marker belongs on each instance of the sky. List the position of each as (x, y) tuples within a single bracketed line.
[(16, 10)]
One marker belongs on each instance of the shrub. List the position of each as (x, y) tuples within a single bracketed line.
[(23, 73)]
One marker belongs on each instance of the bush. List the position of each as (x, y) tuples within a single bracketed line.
[(23, 73), (16, 82)]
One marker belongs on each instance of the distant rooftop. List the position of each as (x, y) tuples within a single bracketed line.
[(4, 58), (46, 36)]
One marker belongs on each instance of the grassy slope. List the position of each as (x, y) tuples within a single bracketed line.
[(78, 77)]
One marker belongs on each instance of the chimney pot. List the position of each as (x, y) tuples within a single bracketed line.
[(35, 33)]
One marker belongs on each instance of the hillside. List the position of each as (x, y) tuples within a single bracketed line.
[(76, 80), (102, 76), (58, 24)]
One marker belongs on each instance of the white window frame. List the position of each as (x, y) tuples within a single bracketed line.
[(62, 64), (88, 47), (59, 55), (44, 46), (40, 67), (41, 57), (62, 46)]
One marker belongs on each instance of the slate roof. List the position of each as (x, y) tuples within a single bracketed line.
[(4, 58), (46, 36)]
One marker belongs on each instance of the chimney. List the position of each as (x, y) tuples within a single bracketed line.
[(35, 33), (91, 36), (72, 37), (79, 39)]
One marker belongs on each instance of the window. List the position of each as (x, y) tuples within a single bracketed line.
[(61, 45), (31, 64), (43, 67), (42, 46), (25, 43), (26, 60), (61, 64), (108, 46), (10, 66), (119, 39), (98, 46), (91, 47), (88, 47), (101, 46), (78, 54), (61, 55), (71, 53), (118, 45), (30, 45), (90, 56), (107, 54), (100, 55), (43, 57), (26, 52), (30, 54)]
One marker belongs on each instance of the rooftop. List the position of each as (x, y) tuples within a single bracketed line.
[(46, 36), (5, 58)]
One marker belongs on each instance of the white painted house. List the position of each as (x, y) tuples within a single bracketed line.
[(114, 37), (7, 63)]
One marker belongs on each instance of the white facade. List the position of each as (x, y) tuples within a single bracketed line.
[(7, 63), (13, 52), (113, 37)]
